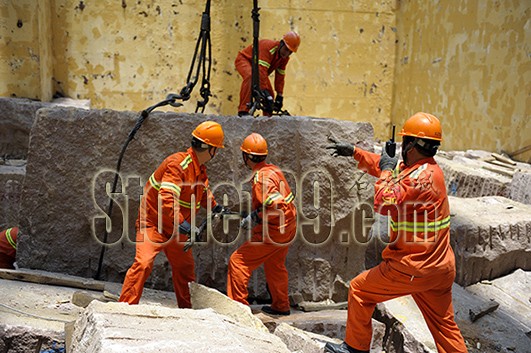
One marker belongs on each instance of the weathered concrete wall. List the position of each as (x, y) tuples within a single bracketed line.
[(128, 54), (467, 62), (64, 199)]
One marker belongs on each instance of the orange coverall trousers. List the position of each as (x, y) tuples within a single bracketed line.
[(147, 247), (432, 294), (246, 259), (244, 68)]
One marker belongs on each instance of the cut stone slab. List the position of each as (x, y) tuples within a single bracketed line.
[(491, 237), (11, 180), (301, 341), (521, 187), (203, 297), (327, 325), (465, 177), (119, 327), (59, 160), (503, 330), (512, 293)]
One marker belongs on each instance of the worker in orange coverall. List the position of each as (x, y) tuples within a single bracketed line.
[(8, 247), (419, 259), (273, 221), (273, 55), (180, 184)]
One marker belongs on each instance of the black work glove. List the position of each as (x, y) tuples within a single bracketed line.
[(250, 221), (267, 102), (186, 228), (220, 210), (279, 100), (387, 162), (340, 148)]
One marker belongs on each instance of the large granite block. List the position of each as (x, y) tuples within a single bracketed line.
[(491, 237), (16, 119), (73, 153), (11, 179)]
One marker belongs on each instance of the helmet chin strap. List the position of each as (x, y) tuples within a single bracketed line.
[(212, 151), (406, 149)]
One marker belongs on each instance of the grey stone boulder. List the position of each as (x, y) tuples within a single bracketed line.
[(119, 327), (72, 155), (491, 237)]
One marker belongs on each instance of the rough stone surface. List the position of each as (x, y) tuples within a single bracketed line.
[(64, 192), (465, 177), (512, 319), (23, 339), (503, 330), (301, 341), (16, 118), (521, 187), (204, 297), (326, 324), (119, 327), (491, 237), (11, 180)]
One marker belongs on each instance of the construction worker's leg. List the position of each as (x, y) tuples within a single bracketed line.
[(147, 247), (244, 68), (182, 270), (436, 307), (374, 286), (277, 277), (242, 263)]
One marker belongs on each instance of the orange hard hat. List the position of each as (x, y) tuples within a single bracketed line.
[(254, 144), (210, 133), (292, 41), (422, 125)]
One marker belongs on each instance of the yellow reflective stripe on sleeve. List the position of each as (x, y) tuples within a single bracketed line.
[(10, 239), (273, 50), (264, 63), (154, 182), (419, 226), (289, 198), (186, 162), (282, 72), (256, 178), (396, 171), (171, 186), (271, 198), (188, 204)]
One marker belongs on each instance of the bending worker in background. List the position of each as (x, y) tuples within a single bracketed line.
[(273, 224), (273, 55), (419, 259), (8, 248), (180, 183)]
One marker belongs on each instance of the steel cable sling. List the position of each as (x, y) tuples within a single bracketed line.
[(204, 43)]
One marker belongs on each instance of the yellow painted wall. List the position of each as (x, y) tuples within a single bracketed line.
[(467, 61), (364, 60)]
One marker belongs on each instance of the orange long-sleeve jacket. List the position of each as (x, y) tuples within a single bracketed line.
[(269, 60), (8, 247), (181, 185), (273, 199), (415, 199)]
